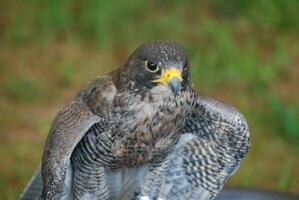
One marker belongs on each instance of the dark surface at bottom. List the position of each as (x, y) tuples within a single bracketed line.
[(253, 194)]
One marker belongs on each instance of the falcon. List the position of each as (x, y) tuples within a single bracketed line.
[(141, 132)]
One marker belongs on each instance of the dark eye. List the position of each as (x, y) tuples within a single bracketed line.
[(152, 67)]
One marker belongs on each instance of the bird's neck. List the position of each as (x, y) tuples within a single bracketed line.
[(120, 79)]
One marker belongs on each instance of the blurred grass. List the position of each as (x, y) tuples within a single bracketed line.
[(242, 52)]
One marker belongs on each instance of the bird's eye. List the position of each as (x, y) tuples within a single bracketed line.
[(152, 67)]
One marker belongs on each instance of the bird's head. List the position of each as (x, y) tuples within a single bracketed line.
[(159, 63)]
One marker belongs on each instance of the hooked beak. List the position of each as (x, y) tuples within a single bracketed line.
[(171, 77), (175, 85)]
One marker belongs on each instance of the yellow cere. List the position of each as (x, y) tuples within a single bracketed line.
[(168, 74)]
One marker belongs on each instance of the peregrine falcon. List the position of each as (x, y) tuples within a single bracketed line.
[(141, 132)]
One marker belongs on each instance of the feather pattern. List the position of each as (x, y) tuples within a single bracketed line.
[(214, 140), (34, 187)]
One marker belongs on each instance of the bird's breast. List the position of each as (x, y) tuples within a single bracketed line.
[(147, 129)]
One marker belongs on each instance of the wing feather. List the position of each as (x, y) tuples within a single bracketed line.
[(214, 140), (34, 187), (69, 126), (91, 105)]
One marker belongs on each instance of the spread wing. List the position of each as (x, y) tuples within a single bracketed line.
[(214, 140), (91, 105), (69, 126)]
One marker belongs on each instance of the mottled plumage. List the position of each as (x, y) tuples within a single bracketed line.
[(142, 132)]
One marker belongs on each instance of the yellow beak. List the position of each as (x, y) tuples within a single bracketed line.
[(168, 74), (171, 77)]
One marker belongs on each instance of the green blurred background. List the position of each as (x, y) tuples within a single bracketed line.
[(245, 53)]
